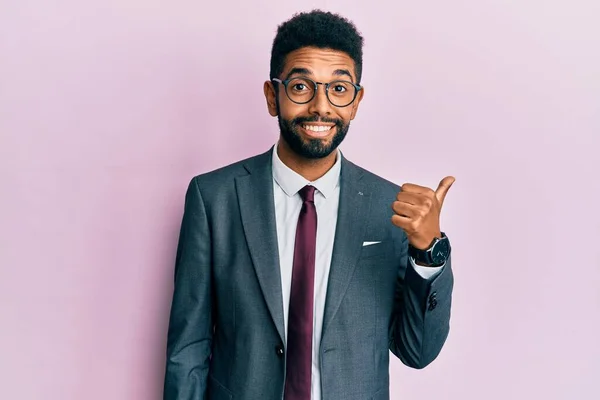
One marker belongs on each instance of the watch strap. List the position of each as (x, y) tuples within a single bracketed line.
[(424, 256)]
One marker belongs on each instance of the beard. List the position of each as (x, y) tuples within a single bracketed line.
[(311, 148)]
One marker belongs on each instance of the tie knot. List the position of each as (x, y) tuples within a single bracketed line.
[(308, 193)]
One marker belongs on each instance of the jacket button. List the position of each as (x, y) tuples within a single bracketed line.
[(432, 304), (279, 350)]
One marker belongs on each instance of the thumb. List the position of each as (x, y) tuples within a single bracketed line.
[(440, 192)]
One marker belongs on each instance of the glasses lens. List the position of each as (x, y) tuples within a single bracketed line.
[(341, 93), (300, 90)]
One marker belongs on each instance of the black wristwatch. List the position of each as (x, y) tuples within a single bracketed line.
[(435, 255)]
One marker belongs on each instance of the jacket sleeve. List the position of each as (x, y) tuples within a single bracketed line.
[(421, 316), (190, 330)]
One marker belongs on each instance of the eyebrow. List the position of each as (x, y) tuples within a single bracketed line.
[(306, 71)]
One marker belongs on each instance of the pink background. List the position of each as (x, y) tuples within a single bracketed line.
[(108, 108)]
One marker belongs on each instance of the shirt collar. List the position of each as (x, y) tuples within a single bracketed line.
[(291, 182)]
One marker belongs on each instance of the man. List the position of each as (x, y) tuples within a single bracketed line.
[(297, 271)]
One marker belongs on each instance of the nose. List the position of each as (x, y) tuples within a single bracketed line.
[(320, 105)]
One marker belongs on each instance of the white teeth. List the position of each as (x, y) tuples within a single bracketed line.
[(316, 128)]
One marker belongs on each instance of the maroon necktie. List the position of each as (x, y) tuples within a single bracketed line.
[(300, 319)]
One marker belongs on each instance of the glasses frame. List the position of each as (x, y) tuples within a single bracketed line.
[(357, 89)]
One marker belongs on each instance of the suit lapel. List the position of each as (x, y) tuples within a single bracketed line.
[(351, 223), (257, 208)]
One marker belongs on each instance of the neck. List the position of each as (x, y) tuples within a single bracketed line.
[(310, 169)]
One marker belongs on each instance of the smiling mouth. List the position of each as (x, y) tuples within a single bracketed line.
[(318, 128), (317, 131)]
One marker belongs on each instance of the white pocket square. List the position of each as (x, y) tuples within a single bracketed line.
[(370, 243)]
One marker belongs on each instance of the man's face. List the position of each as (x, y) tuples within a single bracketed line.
[(315, 129)]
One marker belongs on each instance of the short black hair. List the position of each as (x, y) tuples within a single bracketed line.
[(319, 29)]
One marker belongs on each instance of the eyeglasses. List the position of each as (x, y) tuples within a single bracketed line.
[(302, 90)]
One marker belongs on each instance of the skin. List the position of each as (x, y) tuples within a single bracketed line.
[(416, 209), (322, 65)]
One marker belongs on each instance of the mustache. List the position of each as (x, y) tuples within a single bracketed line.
[(303, 120)]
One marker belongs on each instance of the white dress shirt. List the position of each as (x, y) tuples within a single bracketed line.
[(286, 184)]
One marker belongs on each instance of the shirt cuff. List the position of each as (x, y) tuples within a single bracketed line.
[(426, 272)]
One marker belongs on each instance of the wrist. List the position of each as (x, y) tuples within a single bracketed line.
[(422, 264), (435, 255)]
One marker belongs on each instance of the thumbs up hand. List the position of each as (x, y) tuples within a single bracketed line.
[(417, 211)]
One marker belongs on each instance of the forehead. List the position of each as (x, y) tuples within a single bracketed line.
[(322, 63)]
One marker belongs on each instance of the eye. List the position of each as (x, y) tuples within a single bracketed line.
[(339, 88), (299, 86)]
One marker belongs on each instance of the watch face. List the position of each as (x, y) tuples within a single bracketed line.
[(440, 251)]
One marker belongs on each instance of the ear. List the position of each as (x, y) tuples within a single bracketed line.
[(356, 103), (270, 94)]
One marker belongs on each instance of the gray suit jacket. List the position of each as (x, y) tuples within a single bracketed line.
[(226, 329)]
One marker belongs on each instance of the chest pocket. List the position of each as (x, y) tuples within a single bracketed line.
[(380, 249)]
